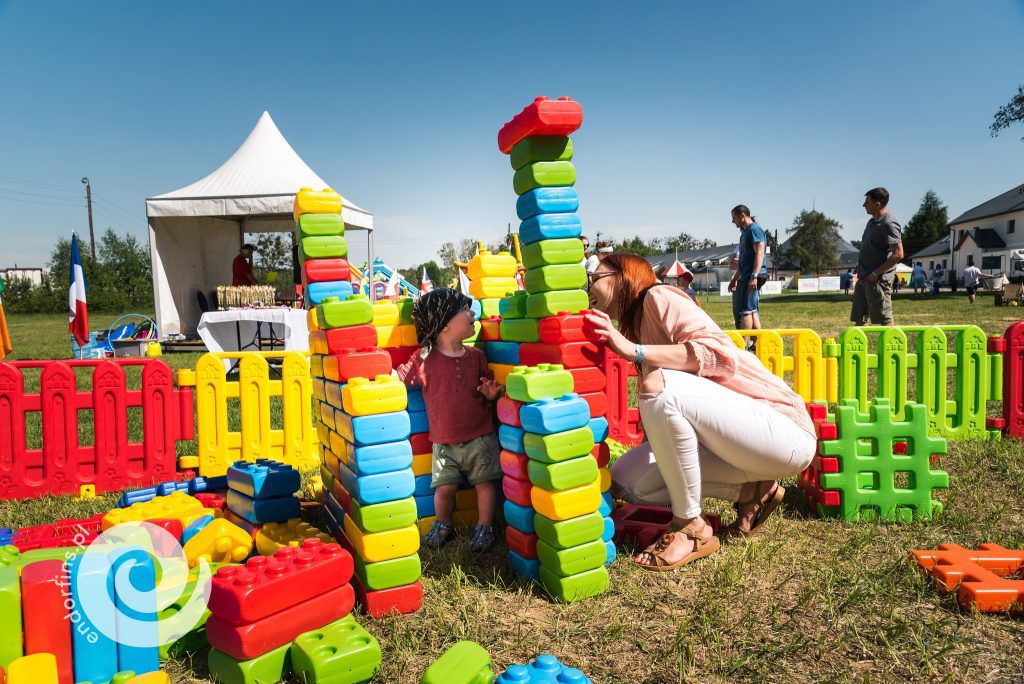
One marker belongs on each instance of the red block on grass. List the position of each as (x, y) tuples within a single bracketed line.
[(541, 117), (358, 363), (517, 491), (598, 403), (45, 620), (523, 543), (253, 639), (396, 600), (602, 454), (508, 411), (514, 465), (325, 270), (568, 354), (587, 379)]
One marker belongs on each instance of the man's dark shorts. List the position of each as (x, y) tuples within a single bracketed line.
[(872, 301)]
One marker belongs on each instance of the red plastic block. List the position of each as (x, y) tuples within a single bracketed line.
[(45, 618), (517, 491), (209, 500), (400, 355), (623, 419), (490, 329), (1013, 381), (515, 465), (980, 575), (256, 638), (644, 525), (420, 443), (325, 270), (358, 363), (568, 354), (508, 411), (541, 117), (341, 340), (566, 327), (602, 454), (377, 604), (809, 480), (66, 532), (523, 543), (342, 496), (587, 379), (598, 402), (269, 584)]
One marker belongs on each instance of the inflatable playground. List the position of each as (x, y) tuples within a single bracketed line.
[(272, 546)]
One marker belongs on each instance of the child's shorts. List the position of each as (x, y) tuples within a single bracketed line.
[(477, 459)]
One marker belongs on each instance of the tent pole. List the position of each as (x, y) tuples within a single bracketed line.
[(369, 262)]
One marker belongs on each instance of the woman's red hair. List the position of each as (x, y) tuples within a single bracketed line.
[(636, 277)]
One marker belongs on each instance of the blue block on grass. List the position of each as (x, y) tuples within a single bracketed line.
[(371, 489), (551, 200), (422, 486), (260, 511), (545, 668), (95, 652), (263, 479), (550, 227), (425, 506), (418, 422), (137, 647), (502, 352), (599, 426), (519, 517), (549, 416), (376, 459), (609, 529), (317, 292), (133, 496), (414, 398), (511, 438), (375, 429), (610, 553), (527, 569), (607, 504)]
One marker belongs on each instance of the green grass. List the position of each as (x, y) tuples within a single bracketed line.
[(809, 600)]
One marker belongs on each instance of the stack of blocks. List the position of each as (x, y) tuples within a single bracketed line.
[(491, 277), (320, 233), (261, 493)]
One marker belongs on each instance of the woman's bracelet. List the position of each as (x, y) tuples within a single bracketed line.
[(639, 354)]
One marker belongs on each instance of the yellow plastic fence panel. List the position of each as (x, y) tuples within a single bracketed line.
[(219, 446), (814, 377)]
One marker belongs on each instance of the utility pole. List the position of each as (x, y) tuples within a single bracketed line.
[(88, 203)]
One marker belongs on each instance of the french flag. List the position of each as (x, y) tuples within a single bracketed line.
[(78, 315), (425, 284)]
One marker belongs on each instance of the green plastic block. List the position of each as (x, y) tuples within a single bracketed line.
[(122, 677), (475, 337), (558, 277), (565, 534), (10, 616), (559, 446), (9, 556), (269, 668), (319, 225), (178, 596), (518, 329), (323, 247), (405, 306), (543, 175), (490, 306), (465, 662), (574, 587), (340, 313), (340, 653), (551, 252), (556, 477), (513, 305), (536, 148), (543, 381), (389, 515), (873, 482), (326, 478), (573, 560), (554, 303), (395, 572)]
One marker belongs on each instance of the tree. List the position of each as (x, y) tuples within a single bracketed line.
[(813, 242), (684, 242), (637, 245), (450, 252), (929, 224), (1010, 113), (273, 251)]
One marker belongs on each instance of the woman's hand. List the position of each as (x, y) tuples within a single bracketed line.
[(607, 333)]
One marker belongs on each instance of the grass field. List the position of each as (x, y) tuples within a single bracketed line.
[(809, 600)]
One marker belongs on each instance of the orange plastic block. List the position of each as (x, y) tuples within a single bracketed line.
[(980, 575)]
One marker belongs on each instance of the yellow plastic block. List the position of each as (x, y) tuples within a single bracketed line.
[(424, 524), (311, 321), (157, 677), (605, 478), (407, 333), (421, 464), (569, 503), (385, 314), (323, 433), (465, 499), (316, 365), (384, 394), (310, 201), (177, 505), (487, 264), (338, 447), (272, 536), (86, 492), (466, 518), (487, 288), (501, 371), (219, 542), (392, 336), (381, 546), (38, 668), (313, 490)]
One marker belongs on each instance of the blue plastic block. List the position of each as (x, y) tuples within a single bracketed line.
[(547, 201), (260, 511), (599, 426), (137, 615), (376, 459), (550, 227), (477, 308), (548, 416), (519, 517), (502, 352), (194, 527), (422, 486), (414, 397), (609, 529), (527, 569), (133, 496), (375, 429), (207, 484), (371, 489), (611, 553), (425, 506), (546, 668), (317, 292), (263, 479), (418, 422), (95, 652), (168, 488), (335, 511), (607, 504), (511, 438)]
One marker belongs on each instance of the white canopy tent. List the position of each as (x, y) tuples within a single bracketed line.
[(195, 232)]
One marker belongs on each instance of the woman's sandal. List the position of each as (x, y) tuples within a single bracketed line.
[(440, 534), (764, 510), (701, 548)]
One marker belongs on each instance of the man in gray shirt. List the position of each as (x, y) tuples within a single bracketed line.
[(881, 248)]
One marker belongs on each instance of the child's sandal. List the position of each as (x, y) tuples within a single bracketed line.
[(440, 534), (483, 538)]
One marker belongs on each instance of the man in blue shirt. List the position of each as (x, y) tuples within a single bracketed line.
[(751, 274)]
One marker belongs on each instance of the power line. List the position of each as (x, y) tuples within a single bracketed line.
[(42, 203), (38, 184), (33, 194), (126, 212)]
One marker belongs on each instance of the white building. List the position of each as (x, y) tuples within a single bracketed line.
[(991, 235), (33, 275)]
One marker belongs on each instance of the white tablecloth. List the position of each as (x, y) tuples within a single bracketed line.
[(218, 332)]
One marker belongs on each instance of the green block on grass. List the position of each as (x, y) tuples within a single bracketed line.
[(543, 381), (575, 587), (543, 174), (179, 596), (269, 668), (465, 662), (322, 247), (389, 515), (319, 225), (513, 305), (556, 477), (340, 313), (518, 330), (555, 302), (565, 534), (396, 572), (560, 446), (490, 307), (557, 277), (573, 560), (340, 653), (552, 252), (546, 148), (10, 617)]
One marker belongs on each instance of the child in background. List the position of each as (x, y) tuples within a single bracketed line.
[(457, 390)]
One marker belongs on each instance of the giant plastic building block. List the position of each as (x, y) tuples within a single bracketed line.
[(487, 264), (263, 479), (314, 225), (554, 302), (403, 599), (373, 429), (324, 270), (376, 459), (38, 668), (384, 394), (875, 482), (554, 252), (11, 644), (343, 313), (136, 619), (318, 292), (567, 354), (574, 587), (559, 446), (553, 200), (566, 327), (465, 662), (518, 329), (540, 148), (555, 277), (178, 506), (322, 247), (387, 515), (390, 573), (979, 577), (550, 415), (259, 511), (379, 488), (565, 534), (218, 542), (513, 305), (273, 666), (544, 381), (358, 363), (341, 651), (95, 652), (541, 117), (277, 535), (373, 547), (567, 474), (310, 201), (1013, 380), (573, 560), (545, 668), (550, 226), (341, 340), (566, 504)]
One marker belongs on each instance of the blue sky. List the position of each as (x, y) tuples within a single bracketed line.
[(689, 108)]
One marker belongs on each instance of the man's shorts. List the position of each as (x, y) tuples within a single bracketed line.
[(972, 290), (872, 301), (745, 302), (477, 459)]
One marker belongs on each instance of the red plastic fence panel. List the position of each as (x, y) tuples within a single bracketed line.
[(1013, 381), (62, 465), (623, 419)]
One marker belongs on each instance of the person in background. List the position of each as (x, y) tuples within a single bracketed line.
[(881, 248), (751, 273), (241, 267), (938, 273), (846, 281), (604, 248), (972, 276), (917, 278), (590, 260), (686, 285)]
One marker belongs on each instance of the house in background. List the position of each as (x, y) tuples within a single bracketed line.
[(935, 254), (33, 275), (991, 235)]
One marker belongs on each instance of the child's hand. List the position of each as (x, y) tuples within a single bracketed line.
[(489, 388)]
